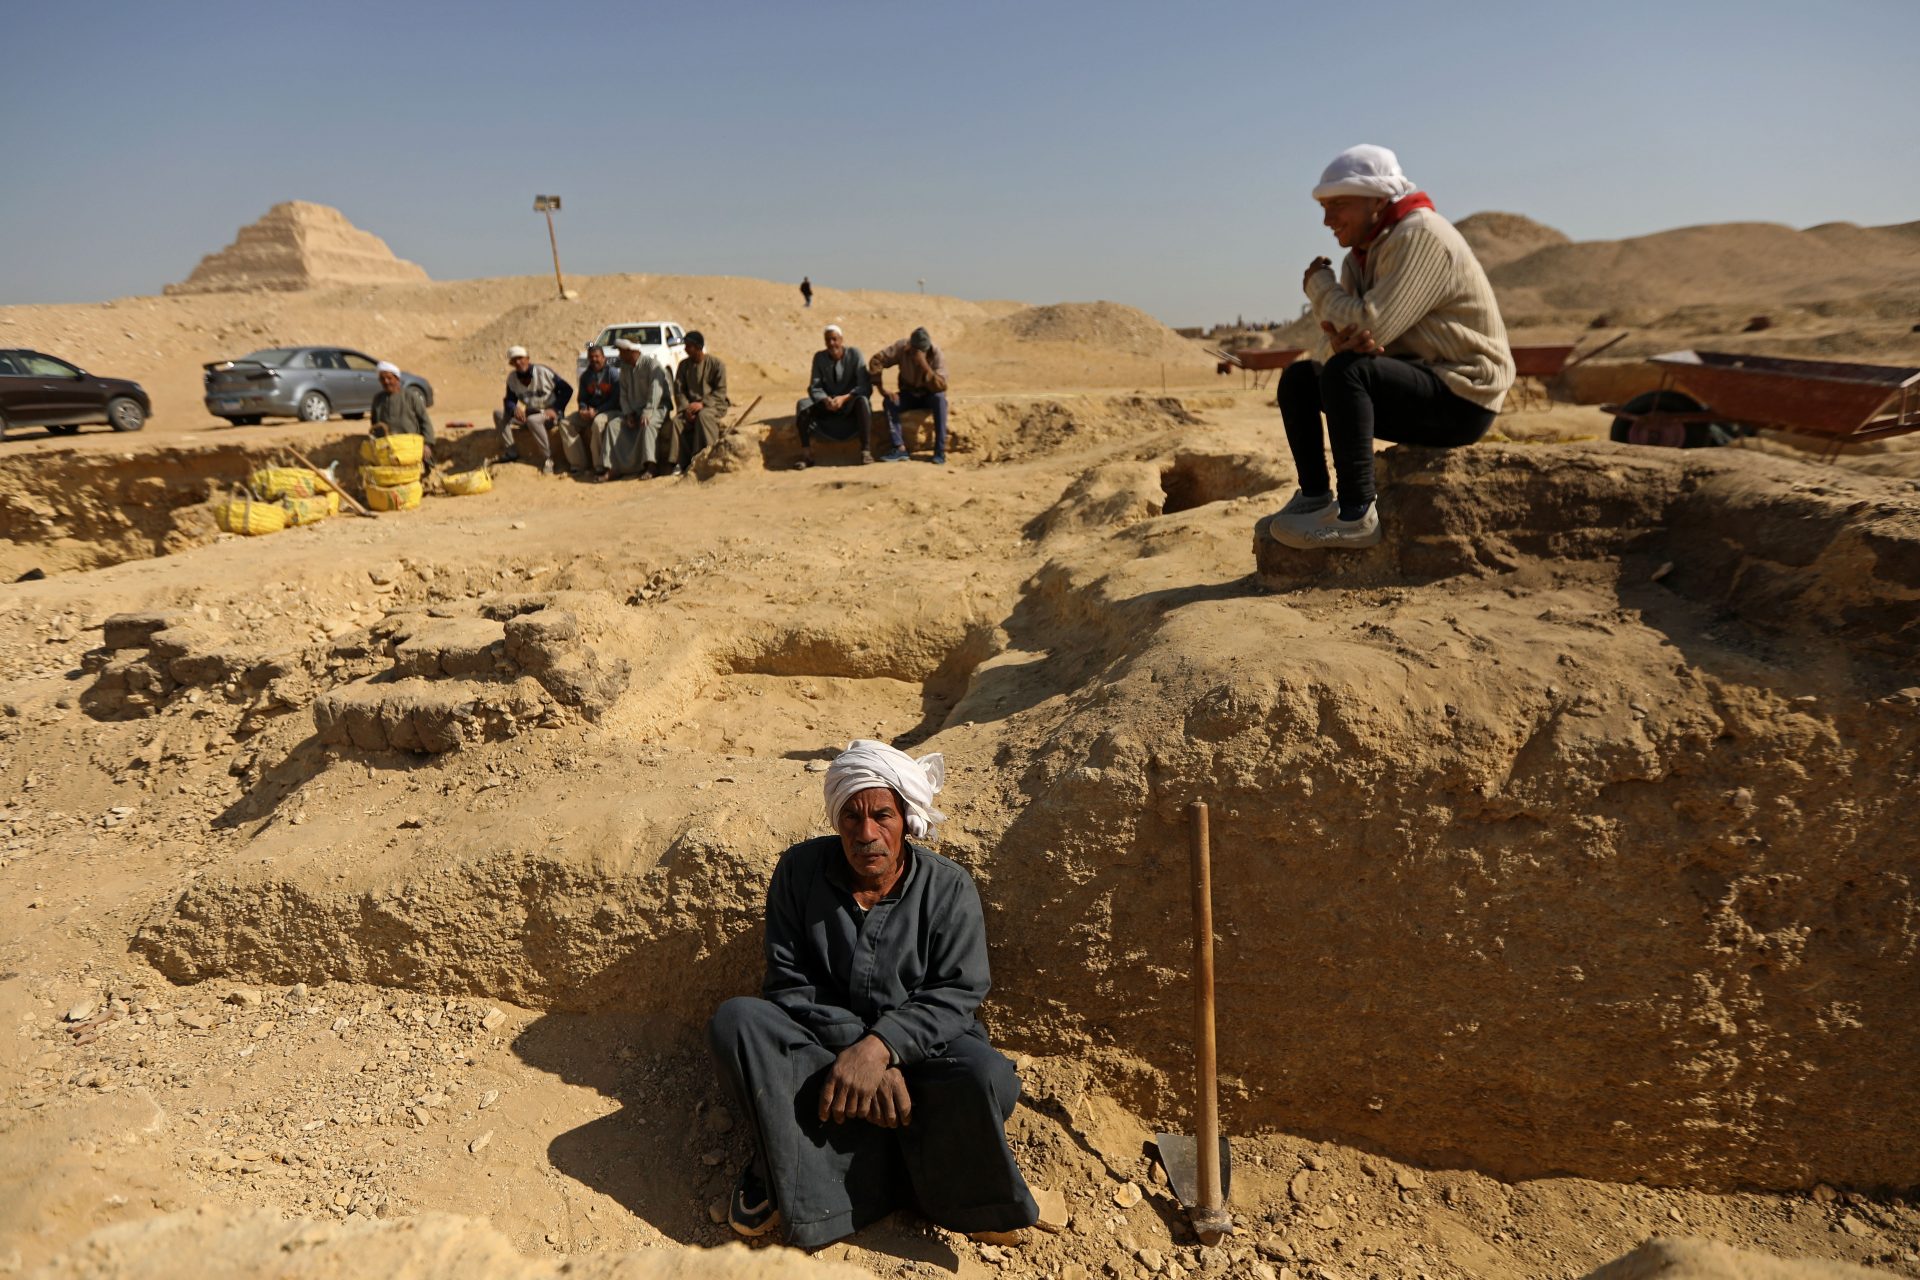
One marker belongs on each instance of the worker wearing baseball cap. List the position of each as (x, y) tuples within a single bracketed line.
[(536, 397), (923, 385)]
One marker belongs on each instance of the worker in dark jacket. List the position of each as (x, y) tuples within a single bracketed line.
[(401, 410), (839, 399), (599, 398), (867, 1080)]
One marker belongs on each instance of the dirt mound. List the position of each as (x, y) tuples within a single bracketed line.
[(434, 1246), (1500, 238), (294, 246), (1108, 326)]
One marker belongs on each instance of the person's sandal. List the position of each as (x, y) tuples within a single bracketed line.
[(750, 1212), (802, 464), (866, 456)]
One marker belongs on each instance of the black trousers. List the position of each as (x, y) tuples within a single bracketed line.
[(951, 1161), (1363, 397), (854, 421)]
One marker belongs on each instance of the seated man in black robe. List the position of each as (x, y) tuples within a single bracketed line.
[(867, 1080)]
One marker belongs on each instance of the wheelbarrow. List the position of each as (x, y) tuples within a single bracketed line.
[(1707, 397)]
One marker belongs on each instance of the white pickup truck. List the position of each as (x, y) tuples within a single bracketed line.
[(664, 340)]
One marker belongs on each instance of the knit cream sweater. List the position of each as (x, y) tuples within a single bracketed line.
[(1425, 297)]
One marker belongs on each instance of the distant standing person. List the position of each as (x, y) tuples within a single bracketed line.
[(645, 398), (923, 385), (806, 291), (401, 410), (536, 397), (599, 400), (1414, 349), (839, 399), (700, 395)]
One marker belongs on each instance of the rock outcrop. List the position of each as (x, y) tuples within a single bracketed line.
[(295, 246)]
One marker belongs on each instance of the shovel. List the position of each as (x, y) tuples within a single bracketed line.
[(1200, 1168)]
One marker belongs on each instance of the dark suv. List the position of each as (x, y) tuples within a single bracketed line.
[(36, 390)]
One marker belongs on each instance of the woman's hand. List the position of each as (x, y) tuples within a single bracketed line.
[(1352, 338)]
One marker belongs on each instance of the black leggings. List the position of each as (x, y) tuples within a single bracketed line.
[(1411, 402)]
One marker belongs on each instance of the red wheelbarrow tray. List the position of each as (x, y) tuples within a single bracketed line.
[(1830, 398)]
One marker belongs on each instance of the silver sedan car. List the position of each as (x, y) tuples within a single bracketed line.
[(309, 383)]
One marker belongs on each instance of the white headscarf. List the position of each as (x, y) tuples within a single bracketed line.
[(1365, 170), (387, 366), (866, 763)]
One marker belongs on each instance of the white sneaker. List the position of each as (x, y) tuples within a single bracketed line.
[(1300, 504), (1346, 535), (1293, 523)]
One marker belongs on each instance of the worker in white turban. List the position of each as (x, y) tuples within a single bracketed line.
[(865, 1077), (1413, 349), (400, 407), (1365, 170), (866, 763)]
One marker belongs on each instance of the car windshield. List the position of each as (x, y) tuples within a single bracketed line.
[(645, 334), (272, 357)]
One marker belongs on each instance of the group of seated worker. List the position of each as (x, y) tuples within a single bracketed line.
[(632, 417), (1412, 349), (838, 405), (861, 1070)]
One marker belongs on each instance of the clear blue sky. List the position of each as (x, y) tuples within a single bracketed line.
[(1154, 154)]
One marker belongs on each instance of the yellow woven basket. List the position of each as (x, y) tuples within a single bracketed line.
[(389, 477), (382, 449), (403, 497), (245, 514), (310, 510), (275, 483), (469, 482)]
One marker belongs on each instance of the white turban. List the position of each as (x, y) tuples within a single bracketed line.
[(1365, 170), (387, 366), (866, 764), (833, 328), (627, 344)]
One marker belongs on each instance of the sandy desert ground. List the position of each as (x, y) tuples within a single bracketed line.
[(372, 880)]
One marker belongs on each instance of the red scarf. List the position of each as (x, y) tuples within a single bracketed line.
[(1388, 221)]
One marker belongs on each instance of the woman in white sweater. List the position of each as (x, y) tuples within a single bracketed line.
[(1413, 348)]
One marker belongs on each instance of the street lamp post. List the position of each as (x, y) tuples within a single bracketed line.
[(549, 205)]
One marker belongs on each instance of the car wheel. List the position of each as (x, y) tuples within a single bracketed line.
[(63, 429), (314, 407), (125, 414)]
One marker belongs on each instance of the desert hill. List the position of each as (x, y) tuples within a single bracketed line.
[(1745, 264), (1500, 238), (296, 245)]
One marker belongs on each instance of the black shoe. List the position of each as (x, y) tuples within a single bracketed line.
[(511, 455), (751, 1213)]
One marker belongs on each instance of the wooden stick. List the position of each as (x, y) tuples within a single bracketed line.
[(1615, 340), (327, 480), (743, 414), (1209, 1216)]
